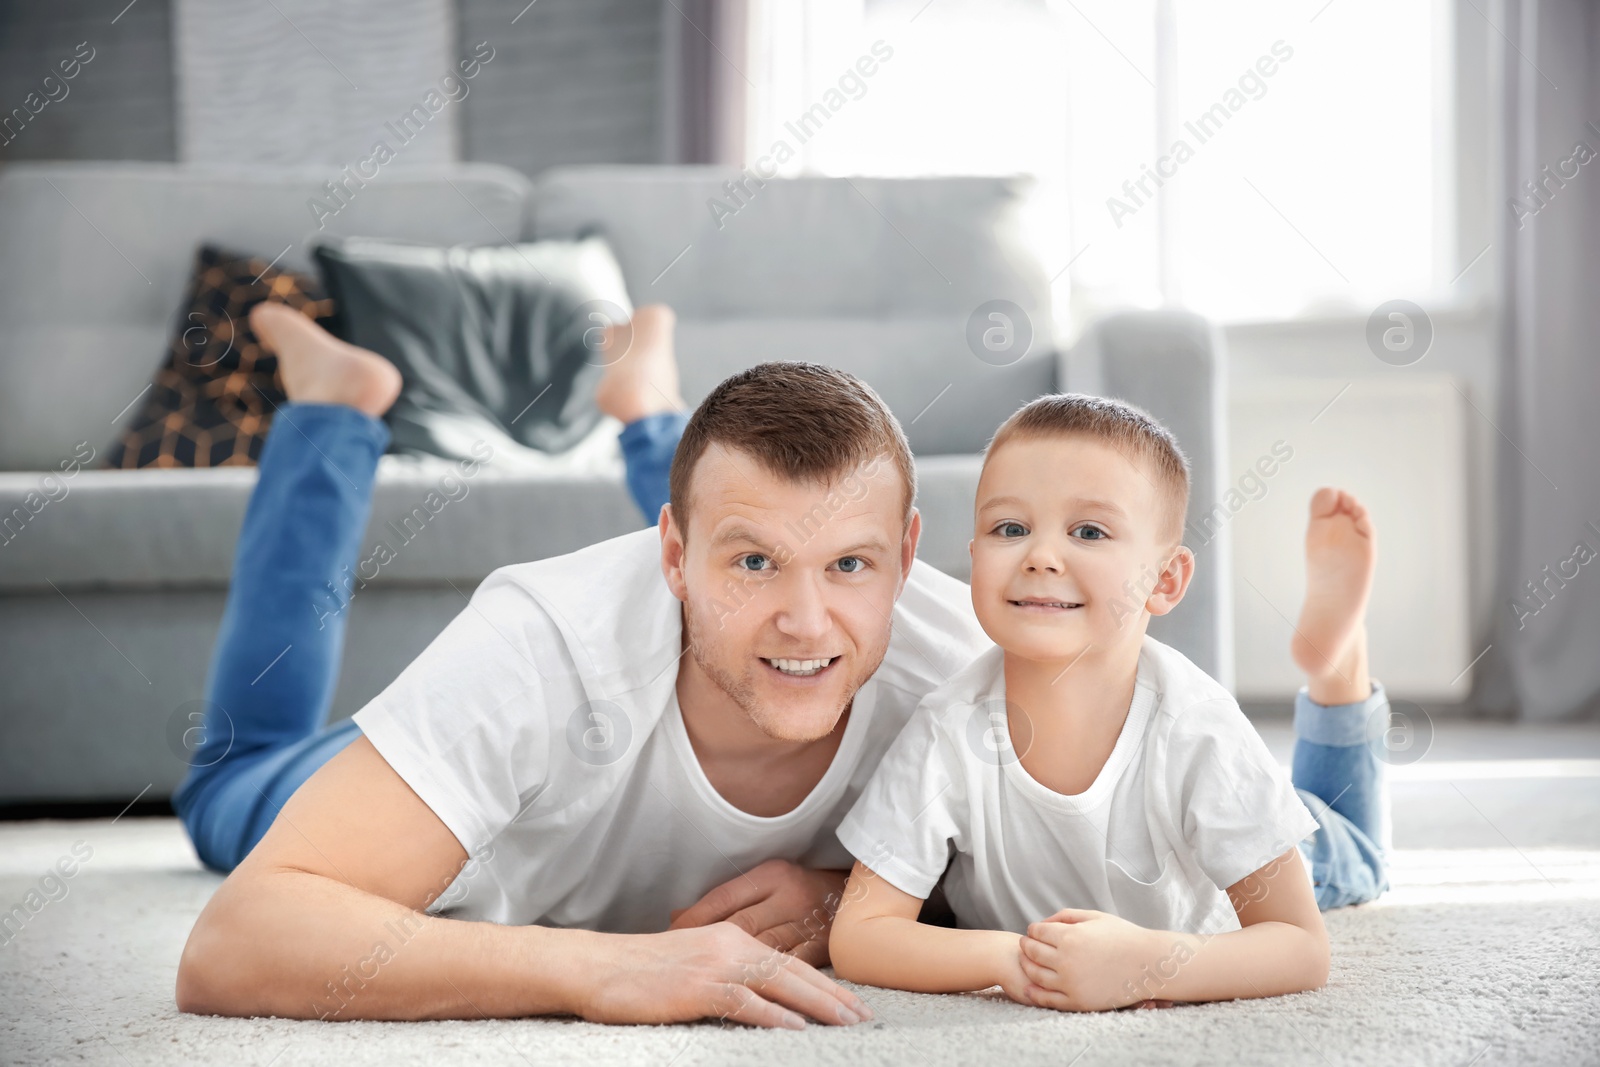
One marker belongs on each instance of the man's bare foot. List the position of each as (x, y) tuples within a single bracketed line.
[(641, 375), (1330, 642), (318, 368)]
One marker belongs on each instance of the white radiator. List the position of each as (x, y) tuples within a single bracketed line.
[(1399, 445)]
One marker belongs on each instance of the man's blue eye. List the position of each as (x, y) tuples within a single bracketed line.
[(856, 560), (1090, 533), (760, 559)]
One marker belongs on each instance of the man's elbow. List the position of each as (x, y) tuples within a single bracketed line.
[(202, 988), (213, 967), (196, 991)]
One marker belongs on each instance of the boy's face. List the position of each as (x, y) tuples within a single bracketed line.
[(1072, 550)]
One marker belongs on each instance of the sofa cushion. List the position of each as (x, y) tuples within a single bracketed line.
[(881, 277), (211, 404), (496, 344), (71, 366)]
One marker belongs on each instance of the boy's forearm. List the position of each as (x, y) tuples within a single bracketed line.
[(297, 945), (1263, 960), (900, 953)]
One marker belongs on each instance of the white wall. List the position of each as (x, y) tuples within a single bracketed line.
[(1311, 358)]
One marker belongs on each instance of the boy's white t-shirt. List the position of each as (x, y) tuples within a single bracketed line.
[(542, 727), (1189, 802)]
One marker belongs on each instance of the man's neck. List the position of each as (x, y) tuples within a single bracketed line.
[(758, 774)]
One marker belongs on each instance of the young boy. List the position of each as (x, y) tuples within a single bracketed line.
[(1082, 763)]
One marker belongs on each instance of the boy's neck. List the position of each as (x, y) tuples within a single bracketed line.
[(1074, 709)]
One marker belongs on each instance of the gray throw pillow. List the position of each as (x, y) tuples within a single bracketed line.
[(498, 344)]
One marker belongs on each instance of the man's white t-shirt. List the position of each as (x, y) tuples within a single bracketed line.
[(542, 727), (1188, 803)]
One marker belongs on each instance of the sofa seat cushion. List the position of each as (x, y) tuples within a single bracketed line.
[(178, 528), (154, 529)]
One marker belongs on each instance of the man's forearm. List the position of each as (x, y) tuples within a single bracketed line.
[(900, 953), (298, 945)]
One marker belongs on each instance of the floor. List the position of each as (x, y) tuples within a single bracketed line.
[(1486, 951)]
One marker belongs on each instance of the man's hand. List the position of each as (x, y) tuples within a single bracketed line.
[(716, 971), (781, 904), (1079, 960)]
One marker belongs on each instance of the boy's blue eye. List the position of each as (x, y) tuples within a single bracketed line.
[(1012, 529), (759, 560), (1090, 533)]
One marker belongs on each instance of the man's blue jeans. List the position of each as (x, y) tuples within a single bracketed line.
[(276, 660)]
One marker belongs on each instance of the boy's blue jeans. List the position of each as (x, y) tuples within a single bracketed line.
[(276, 659), (1339, 774)]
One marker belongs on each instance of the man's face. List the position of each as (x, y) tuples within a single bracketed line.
[(788, 588), (1071, 549)]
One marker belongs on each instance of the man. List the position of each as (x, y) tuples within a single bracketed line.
[(613, 780)]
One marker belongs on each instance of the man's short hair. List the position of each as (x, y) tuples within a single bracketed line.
[(1130, 430), (800, 421)]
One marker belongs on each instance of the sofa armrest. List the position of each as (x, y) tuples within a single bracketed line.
[(1172, 364)]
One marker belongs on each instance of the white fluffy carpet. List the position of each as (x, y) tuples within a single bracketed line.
[(1480, 956)]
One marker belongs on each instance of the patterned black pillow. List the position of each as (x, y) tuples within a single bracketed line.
[(212, 402)]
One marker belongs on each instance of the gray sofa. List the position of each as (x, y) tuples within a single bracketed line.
[(111, 589)]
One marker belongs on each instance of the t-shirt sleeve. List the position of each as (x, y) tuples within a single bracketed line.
[(466, 724), (1234, 803), (906, 824)]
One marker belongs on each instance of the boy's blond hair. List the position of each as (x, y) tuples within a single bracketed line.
[(1130, 430)]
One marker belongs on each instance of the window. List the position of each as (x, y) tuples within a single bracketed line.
[(1250, 160)]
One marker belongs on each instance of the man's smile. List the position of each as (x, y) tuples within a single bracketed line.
[(800, 668)]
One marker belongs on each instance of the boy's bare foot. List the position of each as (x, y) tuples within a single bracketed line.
[(641, 375), (1330, 642), (318, 368)]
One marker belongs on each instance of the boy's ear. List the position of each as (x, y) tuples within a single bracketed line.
[(1173, 582)]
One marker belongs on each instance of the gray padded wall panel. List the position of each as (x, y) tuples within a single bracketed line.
[(307, 81), (572, 81), (118, 106)]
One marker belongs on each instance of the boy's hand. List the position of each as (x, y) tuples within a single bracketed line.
[(781, 904), (1010, 976), (1079, 960)]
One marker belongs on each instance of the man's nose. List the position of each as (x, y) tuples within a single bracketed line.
[(804, 614)]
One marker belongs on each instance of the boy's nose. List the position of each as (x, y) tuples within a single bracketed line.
[(1042, 557)]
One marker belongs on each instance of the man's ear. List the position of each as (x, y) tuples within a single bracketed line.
[(673, 551), (1176, 574), (908, 549)]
